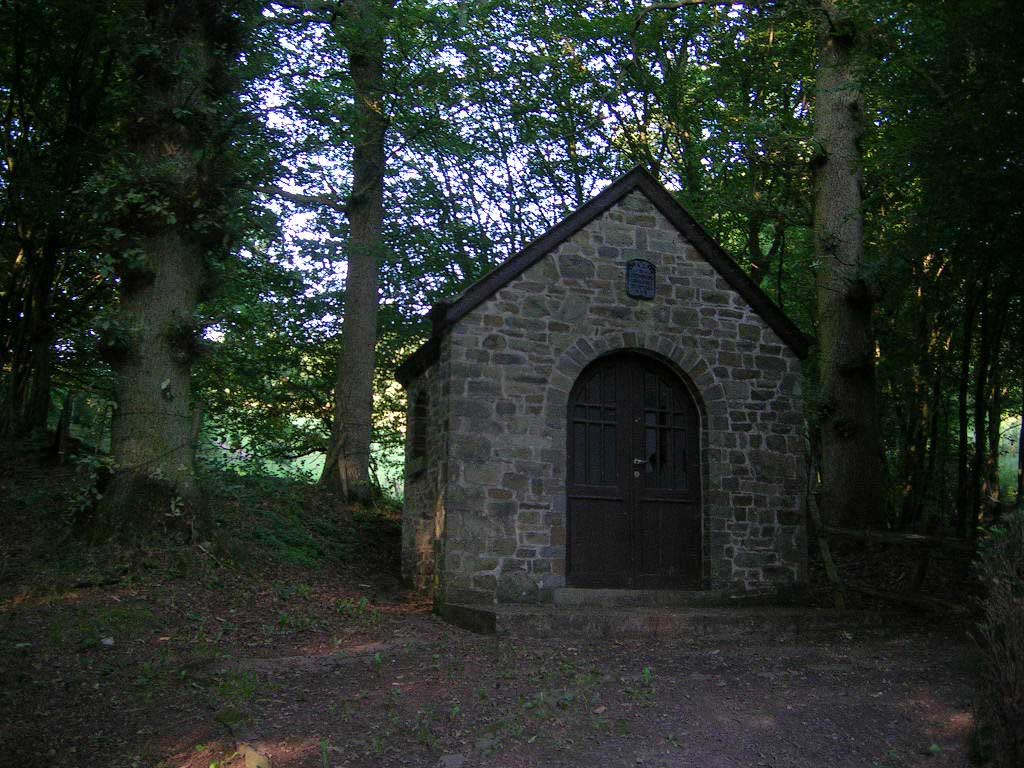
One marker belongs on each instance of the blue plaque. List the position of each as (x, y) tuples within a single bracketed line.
[(639, 279)]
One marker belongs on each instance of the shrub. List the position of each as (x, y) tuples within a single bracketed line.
[(1000, 705)]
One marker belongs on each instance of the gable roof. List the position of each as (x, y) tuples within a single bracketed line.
[(445, 314)]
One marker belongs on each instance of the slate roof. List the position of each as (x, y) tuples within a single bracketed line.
[(445, 314)]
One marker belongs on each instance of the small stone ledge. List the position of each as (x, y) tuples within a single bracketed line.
[(476, 618), (718, 626), (645, 598)]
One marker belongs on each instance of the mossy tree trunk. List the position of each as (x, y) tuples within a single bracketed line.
[(852, 471), (171, 207), (1020, 455)]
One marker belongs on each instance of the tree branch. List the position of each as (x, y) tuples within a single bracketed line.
[(306, 201), (328, 7), (683, 3), (675, 6)]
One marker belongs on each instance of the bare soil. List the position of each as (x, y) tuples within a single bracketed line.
[(180, 657)]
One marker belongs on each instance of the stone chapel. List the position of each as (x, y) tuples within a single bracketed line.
[(616, 406)]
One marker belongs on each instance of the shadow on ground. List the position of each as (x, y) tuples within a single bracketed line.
[(286, 639)]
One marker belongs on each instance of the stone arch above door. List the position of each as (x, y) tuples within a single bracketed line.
[(680, 355)]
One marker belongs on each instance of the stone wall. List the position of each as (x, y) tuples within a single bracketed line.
[(426, 479), (511, 362)]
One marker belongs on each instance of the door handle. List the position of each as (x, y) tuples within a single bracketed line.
[(639, 461)]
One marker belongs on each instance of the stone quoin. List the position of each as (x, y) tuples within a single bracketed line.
[(576, 422)]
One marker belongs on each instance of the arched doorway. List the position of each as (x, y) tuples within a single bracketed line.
[(633, 477)]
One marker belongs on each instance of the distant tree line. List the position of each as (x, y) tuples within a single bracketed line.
[(224, 221)]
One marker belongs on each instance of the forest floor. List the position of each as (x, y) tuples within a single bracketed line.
[(288, 638)]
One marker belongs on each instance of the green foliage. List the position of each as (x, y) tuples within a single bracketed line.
[(287, 591), (89, 468), (360, 610), (266, 377), (502, 116), (86, 628), (233, 694), (1000, 701), (644, 690), (62, 82), (292, 523)]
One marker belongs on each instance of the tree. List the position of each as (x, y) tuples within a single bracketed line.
[(174, 207), (943, 168), (731, 128), (348, 455), (61, 68), (851, 466)]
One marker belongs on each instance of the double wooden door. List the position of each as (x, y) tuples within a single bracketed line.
[(634, 505)]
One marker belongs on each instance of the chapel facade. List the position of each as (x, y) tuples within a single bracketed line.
[(616, 406)]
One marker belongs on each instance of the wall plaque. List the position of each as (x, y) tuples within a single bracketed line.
[(639, 279)]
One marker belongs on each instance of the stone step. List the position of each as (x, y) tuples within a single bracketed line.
[(765, 625), (638, 598)]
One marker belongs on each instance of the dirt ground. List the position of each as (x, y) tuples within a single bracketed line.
[(288, 641), (169, 673)]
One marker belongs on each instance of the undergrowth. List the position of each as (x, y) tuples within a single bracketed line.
[(253, 521), (297, 524), (1000, 738)]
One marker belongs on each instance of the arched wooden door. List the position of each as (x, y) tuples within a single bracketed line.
[(634, 504)]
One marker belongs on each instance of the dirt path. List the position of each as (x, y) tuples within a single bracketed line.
[(319, 678), (293, 635), (477, 702)]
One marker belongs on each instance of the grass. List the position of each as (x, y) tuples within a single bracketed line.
[(296, 524), (148, 621), (87, 627), (233, 695), (252, 521), (285, 591), (359, 611)]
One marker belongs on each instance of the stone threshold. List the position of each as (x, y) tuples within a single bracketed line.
[(652, 598), (696, 624)]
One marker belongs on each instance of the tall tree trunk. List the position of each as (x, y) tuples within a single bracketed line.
[(759, 266), (995, 423), (931, 498), (946, 497), (993, 319), (28, 344), (62, 436), (981, 372), (852, 471), (963, 502), (914, 445), (176, 164), (915, 432), (348, 456), (151, 430), (1020, 453)]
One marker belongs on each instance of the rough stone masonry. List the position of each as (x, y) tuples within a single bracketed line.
[(485, 506)]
